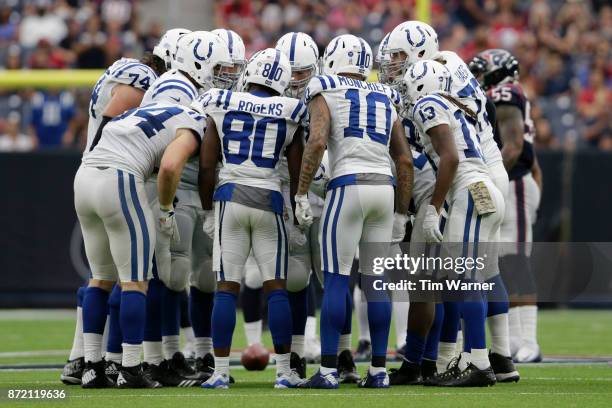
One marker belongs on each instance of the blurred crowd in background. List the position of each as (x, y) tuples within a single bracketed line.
[(563, 47)]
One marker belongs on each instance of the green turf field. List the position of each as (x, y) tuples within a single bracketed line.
[(45, 338)]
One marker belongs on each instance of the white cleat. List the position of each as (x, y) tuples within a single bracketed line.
[(528, 353), (217, 381), (288, 380), (312, 350)]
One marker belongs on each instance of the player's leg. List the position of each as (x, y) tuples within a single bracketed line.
[(73, 370), (251, 298), (186, 327), (114, 351), (364, 346), (312, 347)]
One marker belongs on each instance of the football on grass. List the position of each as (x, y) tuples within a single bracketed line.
[(255, 357)]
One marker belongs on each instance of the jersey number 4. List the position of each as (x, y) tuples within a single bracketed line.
[(354, 128), (243, 136)]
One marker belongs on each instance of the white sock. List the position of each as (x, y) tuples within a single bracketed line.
[(446, 352), (465, 360), (252, 331), (500, 338), (529, 324), (170, 345), (77, 342), (131, 354), (187, 333), (282, 363), (297, 345), (480, 358), (114, 357), (105, 333), (361, 310), (459, 347), (515, 331), (222, 365), (311, 327), (375, 370), (203, 346), (92, 347), (400, 319), (327, 370), (153, 352), (344, 343)]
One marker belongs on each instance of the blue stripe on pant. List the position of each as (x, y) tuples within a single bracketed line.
[(324, 231), (146, 245), (334, 228), (221, 212), (132, 229)]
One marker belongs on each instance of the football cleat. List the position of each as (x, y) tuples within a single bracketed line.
[(289, 380), (503, 367), (408, 374), (428, 369), (440, 379), (73, 371), (312, 350), (528, 353), (217, 381), (347, 372), (112, 370), (136, 377), (298, 364), (179, 364), (364, 350), (472, 376), (379, 380), (205, 366), (94, 376), (168, 377), (320, 381)]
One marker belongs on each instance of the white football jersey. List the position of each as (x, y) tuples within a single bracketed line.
[(126, 71), (424, 178), (362, 115), (175, 88), (136, 141), (254, 131), (434, 110)]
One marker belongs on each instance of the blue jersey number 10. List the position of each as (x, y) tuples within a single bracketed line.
[(355, 129)]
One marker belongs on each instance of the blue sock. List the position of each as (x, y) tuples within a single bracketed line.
[(312, 299), (379, 319), (299, 311), (81, 295), (132, 315), (114, 325), (450, 324), (171, 312), (200, 310), (333, 313), (415, 347), (153, 320), (95, 308), (279, 318), (348, 318), (223, 319), (433, 337), (474, 316), (185, 316), (499, 296)]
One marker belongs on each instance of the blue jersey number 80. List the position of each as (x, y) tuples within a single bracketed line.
[(245, 148), (355, 129)]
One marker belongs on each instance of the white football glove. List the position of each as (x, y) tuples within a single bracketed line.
[(399, 227), (303, 212), (209, 223), (167, 224), (431, 225)]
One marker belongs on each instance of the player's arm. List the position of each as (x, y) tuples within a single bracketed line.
[(444, 145), (320, 123), (294, 153), (209, 154), (511, 129), (536, 172), (401, 155), (184, 146)]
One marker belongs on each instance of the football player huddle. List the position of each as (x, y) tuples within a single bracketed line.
[(206, 173)]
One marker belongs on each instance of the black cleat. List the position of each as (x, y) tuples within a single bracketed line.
[(73, 371), (205, 366), (440, 379), (298, 364), (166, 376), (408, 374), (137, 377), (472, 376), (94, 376), (179, 364), (503, 367), (347, 372), (112, 370), (428, 369), (364, 350)]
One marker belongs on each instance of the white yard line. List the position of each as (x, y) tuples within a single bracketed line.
[(37, 314), (34, 353)]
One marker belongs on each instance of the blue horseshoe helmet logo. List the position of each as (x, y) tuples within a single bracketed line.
[(421, 42), (195, 50)]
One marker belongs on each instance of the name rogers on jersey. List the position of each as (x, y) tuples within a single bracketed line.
[(261, 108)]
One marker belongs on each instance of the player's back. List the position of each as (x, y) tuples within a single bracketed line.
[(136, 140), (254, 130), (362, 115), (126, 71)]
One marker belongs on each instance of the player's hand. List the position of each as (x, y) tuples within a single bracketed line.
[(303, 212), (209, 223), (167, 224), (431, 229), (399, 227)]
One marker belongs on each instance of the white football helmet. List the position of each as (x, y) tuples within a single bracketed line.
[(236, 49), (383, 59), (270, 68), (303, 56), (203, 56), (424, 78), (347, 54), (419, 41), (168, 44)]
